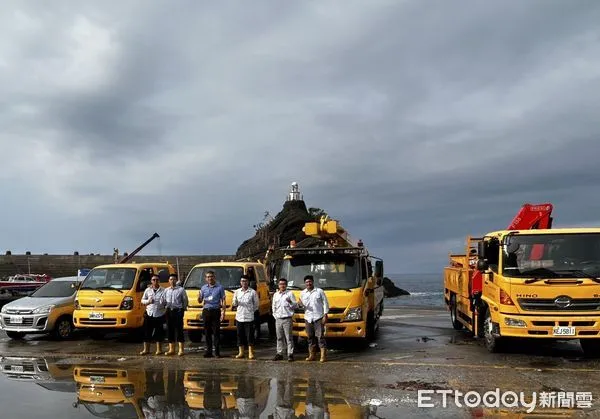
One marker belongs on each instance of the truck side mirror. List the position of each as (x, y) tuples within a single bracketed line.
[(481, 249), (482, 265), (379, 269)]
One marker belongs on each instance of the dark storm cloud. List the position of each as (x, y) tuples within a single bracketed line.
[(415, 124)]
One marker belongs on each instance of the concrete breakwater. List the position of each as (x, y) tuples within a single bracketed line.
[(67, 265)]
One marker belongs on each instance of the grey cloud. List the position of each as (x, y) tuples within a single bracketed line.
[(416, 124)]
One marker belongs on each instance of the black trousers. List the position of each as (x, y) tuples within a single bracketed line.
[(153, 328), (245, 333), (212, 329), (175, 325)]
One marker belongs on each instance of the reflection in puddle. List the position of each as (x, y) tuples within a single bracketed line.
[(106, 391)]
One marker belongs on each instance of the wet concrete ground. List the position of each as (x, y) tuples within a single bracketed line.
[(416, 349)]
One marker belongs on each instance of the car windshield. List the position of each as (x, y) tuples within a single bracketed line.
[(228, 276), (109, 278), (56, 289), (329, 271), (552, 256)]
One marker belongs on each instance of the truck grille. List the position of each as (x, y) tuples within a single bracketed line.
[(559, 304)]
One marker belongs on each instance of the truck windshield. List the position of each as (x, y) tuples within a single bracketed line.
[(330, 271), (113, 410), (109, 278), (228, 276), (55, 289), (552, 256)]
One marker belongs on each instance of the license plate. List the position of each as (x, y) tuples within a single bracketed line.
[(96, 316), (16, 319), (17, 368), (564, 331), (96, 379)]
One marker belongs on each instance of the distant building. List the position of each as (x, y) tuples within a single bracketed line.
[(294, 194)]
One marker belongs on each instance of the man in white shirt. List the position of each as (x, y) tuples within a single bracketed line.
[(245, 301), (315, 304), (283, 306), (176, 303), (154, 317)]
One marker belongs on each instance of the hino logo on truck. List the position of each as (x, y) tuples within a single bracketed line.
[(527, 295), (562, 302)]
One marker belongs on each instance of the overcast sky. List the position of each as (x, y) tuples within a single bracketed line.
[(414, 123)]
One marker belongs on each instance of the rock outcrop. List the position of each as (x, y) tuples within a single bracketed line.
[(286, 226), (391, 290)]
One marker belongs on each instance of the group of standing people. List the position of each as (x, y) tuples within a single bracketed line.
[(164, 304), (170, 303)]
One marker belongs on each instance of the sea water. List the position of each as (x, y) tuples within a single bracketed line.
[(426, 290)]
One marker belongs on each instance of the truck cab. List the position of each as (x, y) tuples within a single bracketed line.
[(542, 284), (110, 392), (109, 298), (354, 291), (228, 275)]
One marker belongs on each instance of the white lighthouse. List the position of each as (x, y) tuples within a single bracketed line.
[(294, 194)]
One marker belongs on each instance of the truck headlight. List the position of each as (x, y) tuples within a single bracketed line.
[(510, 322), (43, 310), (127, 303), (353, 314)]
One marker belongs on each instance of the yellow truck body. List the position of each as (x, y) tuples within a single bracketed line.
[(541, 284), (228, 274), (110, 296)]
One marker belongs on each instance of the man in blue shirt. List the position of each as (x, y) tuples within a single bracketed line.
[(213, 314)]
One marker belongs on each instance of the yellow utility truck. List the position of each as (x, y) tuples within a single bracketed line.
[(344, 269), (228, 275), (528, 283), (110, 296)]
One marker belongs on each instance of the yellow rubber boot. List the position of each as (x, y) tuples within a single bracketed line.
[(323, 354), (312, 352), (171, 350), (180, 349), (146, 349), (250, 352), (158, 349), (240, 353)]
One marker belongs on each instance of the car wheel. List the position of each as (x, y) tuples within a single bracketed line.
[(63, 328)]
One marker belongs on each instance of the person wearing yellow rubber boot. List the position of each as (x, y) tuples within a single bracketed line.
[(315, 304), (176, 302), (154, 317), (245, 303)]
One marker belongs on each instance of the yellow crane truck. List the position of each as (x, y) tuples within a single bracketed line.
[(351, 278), (528, 283)]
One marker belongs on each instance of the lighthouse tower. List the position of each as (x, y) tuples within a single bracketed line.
[(294, 194)]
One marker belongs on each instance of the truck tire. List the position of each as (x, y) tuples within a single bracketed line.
[(195, 336), (456, 324), (590, 347), (63, 329), (370, 332), (492, 343)]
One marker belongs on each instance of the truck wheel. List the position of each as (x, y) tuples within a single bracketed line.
[(492, 343), (15, 335), (454, 313), (370, 332), (591, 347), (271, 325), (195, 336), (63, 328)]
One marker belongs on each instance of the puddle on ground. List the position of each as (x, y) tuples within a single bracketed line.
[(34, 387)]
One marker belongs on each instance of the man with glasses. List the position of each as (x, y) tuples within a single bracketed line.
[(213, 313)]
